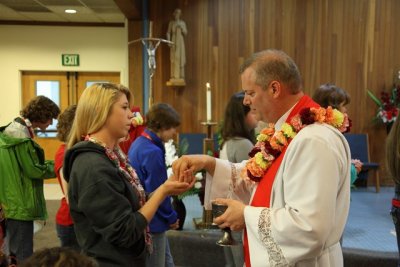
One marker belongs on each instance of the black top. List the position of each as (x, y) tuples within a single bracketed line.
[(104, 207)]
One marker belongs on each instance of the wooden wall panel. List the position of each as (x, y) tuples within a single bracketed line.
[(135, 63), (351, 43)]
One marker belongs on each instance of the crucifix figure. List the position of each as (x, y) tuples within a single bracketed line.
[(151, 52), (151, 45)]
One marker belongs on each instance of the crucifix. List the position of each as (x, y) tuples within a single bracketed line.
[(151, 45)]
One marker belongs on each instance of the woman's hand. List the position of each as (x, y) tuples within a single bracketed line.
[(174, 187), (175, 225), (358, 164), (170, 187)]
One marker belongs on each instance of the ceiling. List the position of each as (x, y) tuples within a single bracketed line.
[(53, 11)]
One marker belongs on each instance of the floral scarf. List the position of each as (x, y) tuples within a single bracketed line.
[(121, 162)]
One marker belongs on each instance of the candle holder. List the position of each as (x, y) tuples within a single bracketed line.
[(209, 125), (208, 145)]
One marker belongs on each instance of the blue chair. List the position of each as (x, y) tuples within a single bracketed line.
[(359, 148), (195, 141)]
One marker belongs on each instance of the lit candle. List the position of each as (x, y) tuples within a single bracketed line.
[(208, 102)]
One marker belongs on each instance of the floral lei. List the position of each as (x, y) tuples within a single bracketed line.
[(271, 143)]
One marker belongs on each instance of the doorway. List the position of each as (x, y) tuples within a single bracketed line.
[(64, 88)]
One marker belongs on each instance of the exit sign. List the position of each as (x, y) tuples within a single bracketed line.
[(70, 59)]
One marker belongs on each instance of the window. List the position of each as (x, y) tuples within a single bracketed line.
[(89, 83), (50, 89)]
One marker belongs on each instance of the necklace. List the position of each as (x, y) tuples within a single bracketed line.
[(271, 142)]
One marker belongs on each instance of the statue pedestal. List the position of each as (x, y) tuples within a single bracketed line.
[(176, 82)]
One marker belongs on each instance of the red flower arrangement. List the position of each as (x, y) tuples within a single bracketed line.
[(388, 105)]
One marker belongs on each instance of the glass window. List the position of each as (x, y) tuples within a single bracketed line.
[(50, 89), (89, 83)]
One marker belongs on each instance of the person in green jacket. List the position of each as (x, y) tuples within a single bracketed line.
[(23, 168)]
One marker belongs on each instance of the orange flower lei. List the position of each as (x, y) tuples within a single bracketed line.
[(271, 143)]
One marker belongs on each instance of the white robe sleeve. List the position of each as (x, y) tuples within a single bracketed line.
[(227, 183), (314, 188)]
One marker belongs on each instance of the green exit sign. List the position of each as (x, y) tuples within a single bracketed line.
[(70, 59)]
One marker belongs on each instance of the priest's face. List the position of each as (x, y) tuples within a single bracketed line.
[(260, 100)]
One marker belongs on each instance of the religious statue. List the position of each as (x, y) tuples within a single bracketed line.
[(176, 32)]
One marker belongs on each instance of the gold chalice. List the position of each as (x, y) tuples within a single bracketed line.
[(226, 239)]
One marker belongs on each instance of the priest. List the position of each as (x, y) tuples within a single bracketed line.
[(292, 196)]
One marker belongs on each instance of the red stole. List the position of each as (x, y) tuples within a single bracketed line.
[(262, 195)]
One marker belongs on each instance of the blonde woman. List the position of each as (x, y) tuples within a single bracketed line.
[(107, 202)]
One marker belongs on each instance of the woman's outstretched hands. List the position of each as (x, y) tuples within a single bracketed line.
[(175, 187)]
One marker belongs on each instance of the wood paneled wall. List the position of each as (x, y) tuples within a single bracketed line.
[(354, 44)]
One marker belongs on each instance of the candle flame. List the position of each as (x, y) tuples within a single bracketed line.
[(208, 85)]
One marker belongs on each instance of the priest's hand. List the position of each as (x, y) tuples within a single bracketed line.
[(233, 217), (185, 167)]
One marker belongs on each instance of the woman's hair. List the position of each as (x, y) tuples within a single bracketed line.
[(162, 117), (272, 64), (40, 109), (393, 152), (331, 95), (234, 121), (58, 257), (64, 124), (93, 109)]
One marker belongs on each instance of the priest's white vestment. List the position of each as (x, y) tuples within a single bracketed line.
[(309, 201)]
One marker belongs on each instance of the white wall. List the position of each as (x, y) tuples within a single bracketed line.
[(40, 48)]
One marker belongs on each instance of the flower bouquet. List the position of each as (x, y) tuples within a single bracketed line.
[(388, 105)]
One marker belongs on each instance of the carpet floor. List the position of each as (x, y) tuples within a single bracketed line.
[(46, 237)]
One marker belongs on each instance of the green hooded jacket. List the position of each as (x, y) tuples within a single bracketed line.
[(22, 170)]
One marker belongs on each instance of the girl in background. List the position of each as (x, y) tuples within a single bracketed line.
[(237, 132), (238, 138), (64, 223)]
